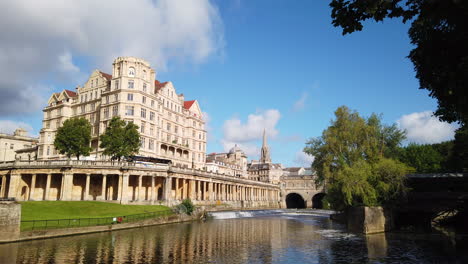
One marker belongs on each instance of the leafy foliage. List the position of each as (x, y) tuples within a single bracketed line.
[(186, 207), (353, 160), (423, 158), (439, 32), (73, 138), (120, 139)]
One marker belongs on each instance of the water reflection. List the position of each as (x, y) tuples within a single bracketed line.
[(281, 239)]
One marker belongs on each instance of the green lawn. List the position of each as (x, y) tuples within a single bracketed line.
[(83, 213)]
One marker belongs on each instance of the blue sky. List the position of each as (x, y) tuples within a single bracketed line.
[(281, 62)]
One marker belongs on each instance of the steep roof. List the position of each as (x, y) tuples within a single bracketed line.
[(70, 93), (158, 85), (188, 104), (106, 75)]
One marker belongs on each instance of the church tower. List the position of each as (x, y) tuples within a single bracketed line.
[(265, 152)]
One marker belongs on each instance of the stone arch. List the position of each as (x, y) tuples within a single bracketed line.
[(295, 200), (317, 200)]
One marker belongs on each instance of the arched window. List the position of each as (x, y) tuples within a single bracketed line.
[(131, 71)]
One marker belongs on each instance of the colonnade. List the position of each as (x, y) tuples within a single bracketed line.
[(131, 187)]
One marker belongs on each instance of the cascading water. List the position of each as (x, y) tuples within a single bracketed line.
[(257, 213)]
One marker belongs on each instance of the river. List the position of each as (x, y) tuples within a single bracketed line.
[(279, 238)]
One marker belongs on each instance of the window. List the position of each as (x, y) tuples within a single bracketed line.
[(193, 133), (83, 108), (152, 116), (92, 118), (48, 150), (199, 136), (142, 128), (59, 111), (107, 99), (143, 112), (144, 87), (129, 110), (12, 146), (168, 127), (152, 103), (74, 110), (142, 142), (95, 94), (144, 75), (116, 85), (130, 84), (91, 96), (131, 71), (115, 110), (143, 99), (92, 83), (151, 144), (129, 97), (176, 129), (116, 97), (47, 124), (93, 106), (152, 130), (106, 112)]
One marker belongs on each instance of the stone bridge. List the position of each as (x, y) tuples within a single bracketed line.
[(130, 183), (300, 191)]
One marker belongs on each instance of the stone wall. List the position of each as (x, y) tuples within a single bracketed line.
[(10, 219), (369, 220)]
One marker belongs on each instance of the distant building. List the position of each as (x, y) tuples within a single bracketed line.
[(264, 170), (170, 127), (233, 163), (17, 146), (297, 171)]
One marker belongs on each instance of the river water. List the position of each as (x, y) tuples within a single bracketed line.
[(280, 238)]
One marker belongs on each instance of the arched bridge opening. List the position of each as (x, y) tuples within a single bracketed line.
[(317, 200), (294, 200)]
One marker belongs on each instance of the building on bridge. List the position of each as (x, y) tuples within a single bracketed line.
[(170, 127), (264, 170)]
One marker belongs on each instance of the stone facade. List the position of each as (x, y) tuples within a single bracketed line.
[(10, 217), (130, 183), (233, 163), (170, 127), (10, 145)]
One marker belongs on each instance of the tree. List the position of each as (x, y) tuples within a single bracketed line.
[(74, 137), (423, 158), (120, 139), (439, 32), (353, 158)]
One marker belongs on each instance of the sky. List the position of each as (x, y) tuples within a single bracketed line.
[(267, 64)]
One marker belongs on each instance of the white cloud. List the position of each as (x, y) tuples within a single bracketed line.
[(41, 39), (8, 126), (423, 127), (302, 159), (236, 131), (245, 134), (300, 104)]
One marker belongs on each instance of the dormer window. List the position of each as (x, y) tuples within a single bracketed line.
[(131, 71)]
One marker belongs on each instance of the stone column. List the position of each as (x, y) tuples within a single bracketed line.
[(47, 189), (192, 193), (86, 194), (176, 189), (140, 182), (103, 187), (167, 193), (67, 186), (14, 182), (184, 189), (210, 191), (152, 188), (199, 192), (123, 185), (33, 187), (3, 190)]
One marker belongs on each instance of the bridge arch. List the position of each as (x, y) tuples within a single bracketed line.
[(294, 200), (317, 200)]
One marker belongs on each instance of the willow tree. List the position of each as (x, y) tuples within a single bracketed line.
[(354, 159)]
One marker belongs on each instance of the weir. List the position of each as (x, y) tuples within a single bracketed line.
[(220, 215)]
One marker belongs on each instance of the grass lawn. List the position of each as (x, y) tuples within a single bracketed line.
[(83, 210)]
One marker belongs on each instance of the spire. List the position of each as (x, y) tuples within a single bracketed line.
[(264, 139), (265, 152)]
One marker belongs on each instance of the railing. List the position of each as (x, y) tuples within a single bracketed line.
[(29, 225)]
